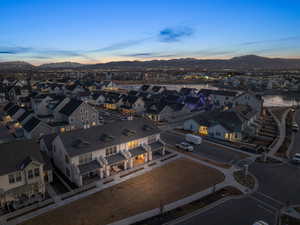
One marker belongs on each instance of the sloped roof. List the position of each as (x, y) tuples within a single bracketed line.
[(31, 124), (82, 141), (16, 154), (70, 107)]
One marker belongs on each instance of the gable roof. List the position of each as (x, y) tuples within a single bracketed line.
[(31, 124), (15, 155), (24, 116), (70, 107), (8, 106), (13, 110)]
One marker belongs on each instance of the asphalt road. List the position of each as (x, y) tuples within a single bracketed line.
[(206, 149), (245, 211), (281, 182)]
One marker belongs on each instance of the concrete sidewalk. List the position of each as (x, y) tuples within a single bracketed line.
[(282, 131)]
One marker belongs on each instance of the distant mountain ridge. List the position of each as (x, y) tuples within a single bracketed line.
[(246, 62), (61, 65)]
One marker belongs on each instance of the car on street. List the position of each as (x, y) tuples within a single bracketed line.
[(296, 158), (295, 127), (185, 146), (260, 223)]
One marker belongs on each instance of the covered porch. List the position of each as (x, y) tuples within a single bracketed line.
[(23, 195), (139, 156), (115, 164), (91, 172), (157, 148)]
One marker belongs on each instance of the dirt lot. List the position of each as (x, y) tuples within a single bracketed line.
[(174, 181)]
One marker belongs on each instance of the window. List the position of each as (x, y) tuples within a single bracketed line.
[(111, 150), (18, 177), (218, 133), (37, 172), (132, 144), (30, 174), (83, 159), (11, 178)]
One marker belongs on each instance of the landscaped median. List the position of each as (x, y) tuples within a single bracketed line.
[(245, 180), (173, 181)]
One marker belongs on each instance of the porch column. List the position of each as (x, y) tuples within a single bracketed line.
[(107, 171), (146, 157), (163, 151), (150, 155), (80, 183), (101, 174), (131, 163), (125, 165)]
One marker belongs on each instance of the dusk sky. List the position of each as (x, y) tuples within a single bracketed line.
[(42, 31)]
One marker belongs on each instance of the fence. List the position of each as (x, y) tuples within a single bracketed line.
[(25, 210)]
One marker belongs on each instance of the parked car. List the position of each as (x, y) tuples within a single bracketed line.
[(295, 127), (296, 158), (185, 146), (194, 139), (260, 223)]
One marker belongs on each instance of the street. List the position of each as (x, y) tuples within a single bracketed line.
[(206, 149), (245, 211)]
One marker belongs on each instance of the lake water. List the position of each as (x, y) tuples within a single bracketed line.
[(269, 100)]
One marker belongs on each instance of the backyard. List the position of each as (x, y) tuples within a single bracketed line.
[(175, 180)]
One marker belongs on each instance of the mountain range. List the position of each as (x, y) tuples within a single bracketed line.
[(247, 62)]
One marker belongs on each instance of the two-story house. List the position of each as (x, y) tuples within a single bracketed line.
[(78, 114), (23, 174), (103, 151)]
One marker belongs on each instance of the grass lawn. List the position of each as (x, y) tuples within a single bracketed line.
[(175, 180)]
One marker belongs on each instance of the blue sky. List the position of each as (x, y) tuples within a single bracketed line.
[(90, 31)]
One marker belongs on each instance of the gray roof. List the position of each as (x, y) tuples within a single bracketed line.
[(15, 155), (116, 158), (156, 145), (137, 151), (82, 141), (88, 167)]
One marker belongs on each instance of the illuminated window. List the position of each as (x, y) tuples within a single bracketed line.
[(62, 129), (203, 130), (132, 144), (93, 123)]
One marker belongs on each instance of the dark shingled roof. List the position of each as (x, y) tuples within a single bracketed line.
[(70, 107), (82, 141), (24, 116), (115, 158), (8, 106), (13, 110), (218, 92), (31, 124), (137, 151), (17, 154), (88, 167)]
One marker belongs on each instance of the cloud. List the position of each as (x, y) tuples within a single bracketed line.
[(292, 38), (14, 50), (175, 34), (120, 45), (42, 53), (149, 55)]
